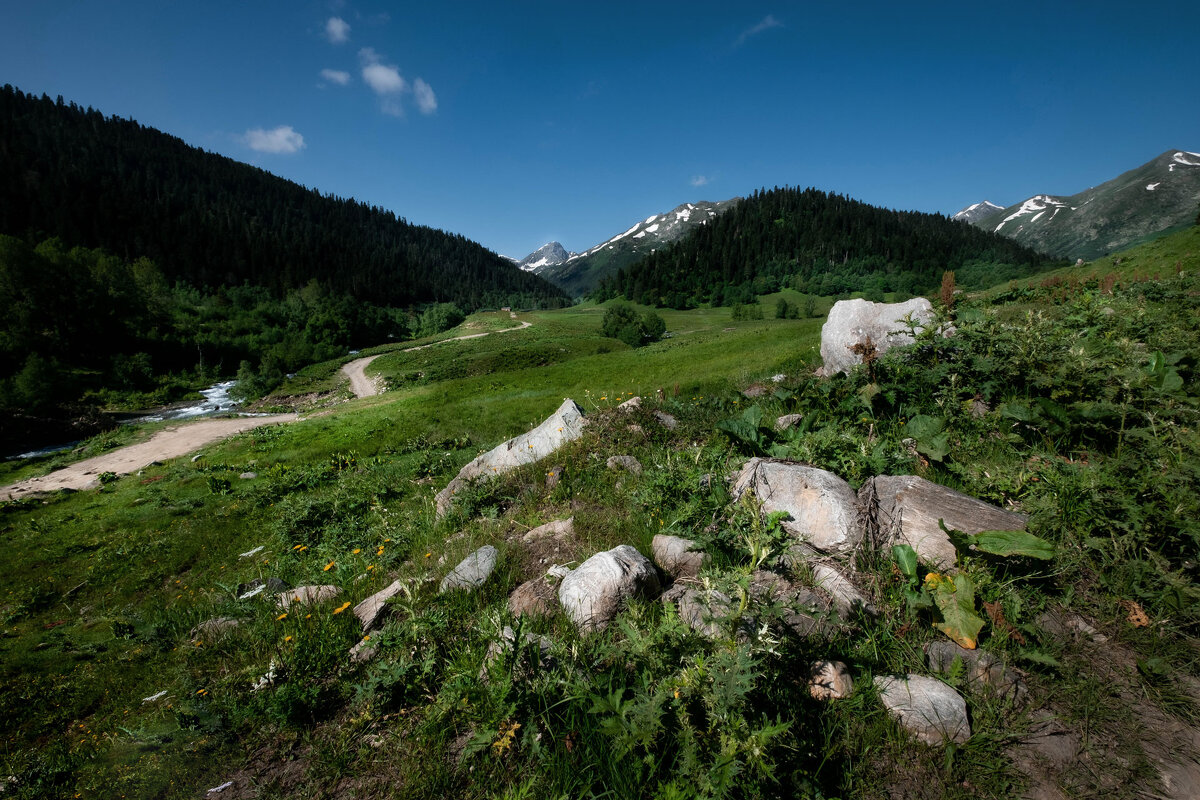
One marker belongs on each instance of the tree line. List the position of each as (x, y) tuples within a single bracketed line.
[(210, 221), (818, 243)]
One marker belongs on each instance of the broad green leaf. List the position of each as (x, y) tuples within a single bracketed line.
[(906, 560), (1012, 543), (955, 598), (923, 426), (934, 447), (1018, 411)]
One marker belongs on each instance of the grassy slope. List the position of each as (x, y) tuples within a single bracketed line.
[(105, 590)]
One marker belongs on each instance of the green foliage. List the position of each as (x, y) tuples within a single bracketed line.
[(622, 321), (955, 599)]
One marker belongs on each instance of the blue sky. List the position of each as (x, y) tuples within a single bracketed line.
[(515, 123)]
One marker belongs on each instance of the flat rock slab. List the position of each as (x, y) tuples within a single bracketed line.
[(822, 507), (905, 509), (306, 595), (564, 425), (593, 593), (847, 598), (473, 571), (370, 612), (787, 421), (536, 598), (927, 708), (677, 556), (627, 463), (852, 322), (666, 420)]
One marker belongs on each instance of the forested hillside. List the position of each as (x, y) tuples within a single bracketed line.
[(819, 243), (112, 183)]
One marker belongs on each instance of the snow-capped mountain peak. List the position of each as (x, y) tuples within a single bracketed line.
[(548, 255), (977, 211)]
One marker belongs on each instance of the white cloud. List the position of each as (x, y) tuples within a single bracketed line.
[(282, 140), (337, 30), (766, 24), (335, 76), (699, 180), (426, 99), (384, 79)]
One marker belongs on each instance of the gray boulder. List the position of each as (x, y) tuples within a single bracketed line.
[(666, 420), (787, 421), (802, 610), (926, 708), (707, 612), (593, 593), (627, 463), (557, 529), (822, 507), (676, 556), (852, 322), (564, 425), (364, 651), (905, 509), (472, 571), (370, 612), (306, 595)]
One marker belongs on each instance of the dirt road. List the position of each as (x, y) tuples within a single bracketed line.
[(362, 386), (167, 443)]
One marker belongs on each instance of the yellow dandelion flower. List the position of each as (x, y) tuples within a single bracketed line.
[(287, 639), (281, 616), (357, 550), (308, 616), (370, 567), (328, 566), (342, 607), (427, 555), (297, 547)]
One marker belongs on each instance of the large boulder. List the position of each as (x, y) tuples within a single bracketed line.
[(822, 508), (593, 593), (473, 571), (536, 598), (905, 509), (926, 708), (852, 322), (564, 425), (677, 557)]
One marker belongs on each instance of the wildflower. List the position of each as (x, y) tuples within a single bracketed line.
[(281, 616), (370, 567), (308, 616), (357, 550), (287, 639), (297, 547), (427, 555), (328, 566), (342, 607), (202, 691)]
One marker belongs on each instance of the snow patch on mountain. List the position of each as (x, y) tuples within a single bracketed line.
[(977, 211), (1031, 206), (548, 255)]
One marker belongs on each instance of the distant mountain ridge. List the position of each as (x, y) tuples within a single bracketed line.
[(578, 273), (1156, 198)]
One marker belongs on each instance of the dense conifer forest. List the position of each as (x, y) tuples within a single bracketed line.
[(205, 219), (819, 243)]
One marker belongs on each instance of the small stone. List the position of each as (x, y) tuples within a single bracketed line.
[(248, 476), (558, 571), (666, 420), (756, 391), (197, 457), (472, 571), (846, 597), (213, 627), (631, 404), (307, 595), (364, 651), (370, 612), (926, 708), (778, 378), (787, 421), (537, 598), (980, 667), (627, 463), (677, 556), (829, 680), (557, 529)]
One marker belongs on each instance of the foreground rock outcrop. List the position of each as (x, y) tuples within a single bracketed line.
[(564, 425), (593, 593), (822, 508), (927, 708), (852, 322)]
